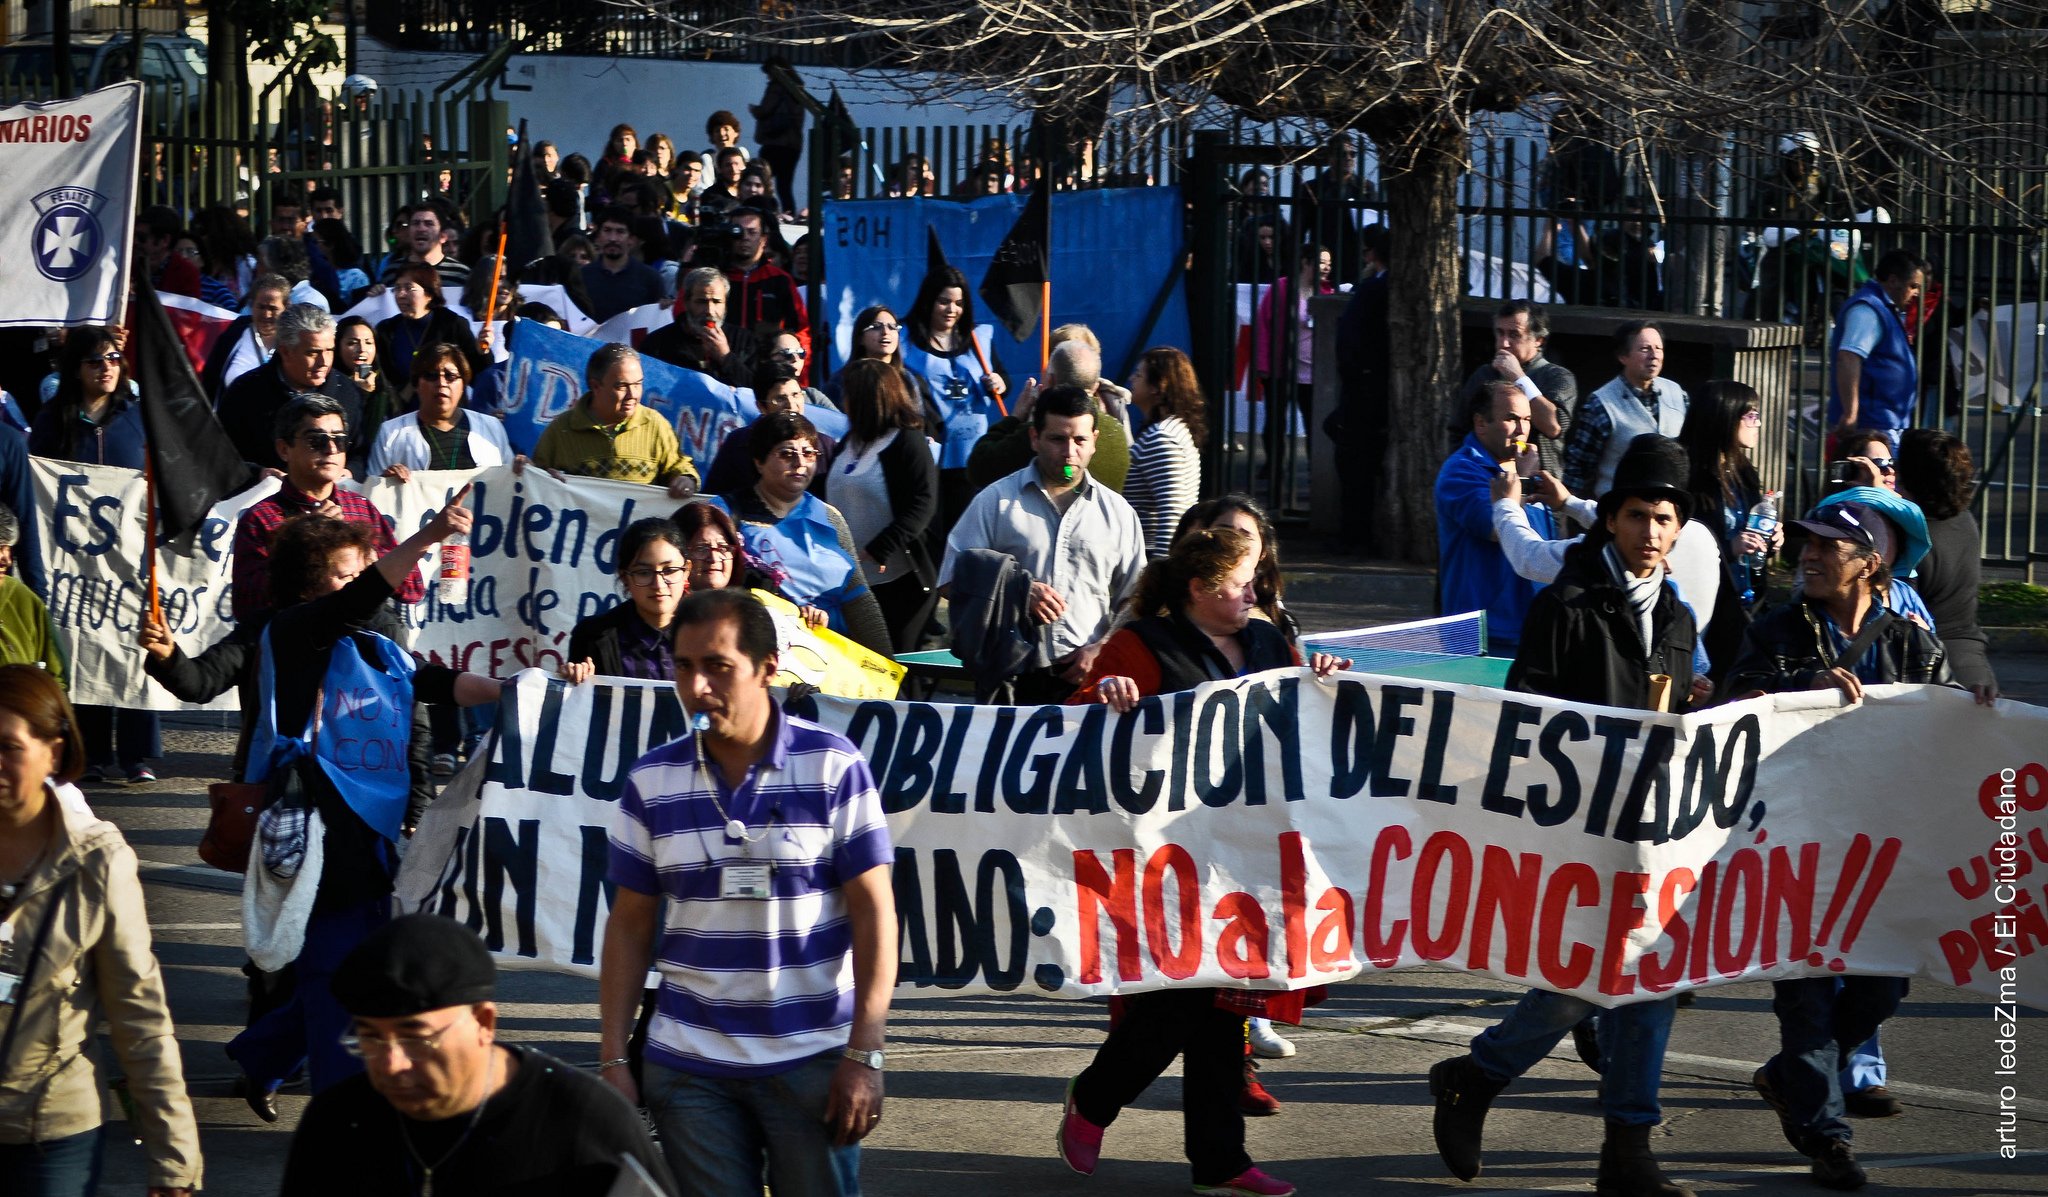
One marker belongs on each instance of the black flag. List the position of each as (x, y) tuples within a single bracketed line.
[(192, 462), (1014, 286), (934, 253), (526, 214)]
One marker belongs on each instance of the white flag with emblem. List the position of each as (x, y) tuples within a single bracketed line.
[(67, 206)]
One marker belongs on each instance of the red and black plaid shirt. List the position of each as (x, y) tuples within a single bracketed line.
[(253, 532)]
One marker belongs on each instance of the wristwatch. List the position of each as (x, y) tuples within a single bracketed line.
[(871, 1059)]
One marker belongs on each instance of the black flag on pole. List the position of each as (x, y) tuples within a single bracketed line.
[(934, 253), (193, 462), (1014, 287), (526, 214)]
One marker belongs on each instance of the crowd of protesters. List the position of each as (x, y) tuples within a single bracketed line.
[(1052, 533)]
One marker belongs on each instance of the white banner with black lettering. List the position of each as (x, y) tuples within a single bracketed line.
[(1277, 832), (542, 559), (67, 206)]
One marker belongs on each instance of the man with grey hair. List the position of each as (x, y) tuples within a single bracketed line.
[(303, 362), (1006, 447), (702, 338)]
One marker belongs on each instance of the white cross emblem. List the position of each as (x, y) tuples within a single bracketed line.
[(63, 240)]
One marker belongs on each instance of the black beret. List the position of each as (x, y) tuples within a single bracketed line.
[(412, 964)]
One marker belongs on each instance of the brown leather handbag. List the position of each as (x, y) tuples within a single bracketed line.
[(231, 827)]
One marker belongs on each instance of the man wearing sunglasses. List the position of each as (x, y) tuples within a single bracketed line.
[(313, 442), (442, 1106)]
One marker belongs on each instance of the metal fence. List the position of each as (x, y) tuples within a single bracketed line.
[(584, 27), (201, 151)]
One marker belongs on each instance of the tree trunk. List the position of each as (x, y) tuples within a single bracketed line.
[(1424, 368)]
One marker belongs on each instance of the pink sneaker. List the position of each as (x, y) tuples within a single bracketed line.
[(1080, 1141), (1249, 1183)]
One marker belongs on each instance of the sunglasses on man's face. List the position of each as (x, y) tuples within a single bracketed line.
[(325, 442)]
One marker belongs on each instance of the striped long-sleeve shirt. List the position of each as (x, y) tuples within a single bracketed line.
[(752, 986), (1165, 480)]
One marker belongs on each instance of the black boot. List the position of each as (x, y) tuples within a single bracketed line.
[(1835, 1166), (1627, 1169), (1463, 1091)]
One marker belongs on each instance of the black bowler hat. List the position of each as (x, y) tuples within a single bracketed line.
[(1652, 467), (413, 964)]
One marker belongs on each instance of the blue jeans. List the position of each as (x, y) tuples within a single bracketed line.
[(308, 1027), (1632, 1041), (724, 1135), (67, 1167), (1820, 1020)]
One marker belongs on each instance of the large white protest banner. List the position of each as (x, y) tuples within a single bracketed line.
[(95, 534), (67, 206), (1277, 832), (543, 558)]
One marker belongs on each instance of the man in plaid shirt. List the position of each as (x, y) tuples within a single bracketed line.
[(312, 438)]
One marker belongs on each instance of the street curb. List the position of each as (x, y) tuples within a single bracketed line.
[(2009, 641)]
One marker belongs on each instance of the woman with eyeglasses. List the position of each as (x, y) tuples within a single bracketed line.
[(96, 419), (75, 945), (633, 639), (790, 350), (1862, 458), (776, 389), (878, 333), (423, 319), (939, 345), (440, 434), (798, 539)]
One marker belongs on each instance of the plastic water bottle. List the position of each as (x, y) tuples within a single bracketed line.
[(1763, 520), (453, 588)]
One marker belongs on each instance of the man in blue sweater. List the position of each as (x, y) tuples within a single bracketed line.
[(1472, 572)]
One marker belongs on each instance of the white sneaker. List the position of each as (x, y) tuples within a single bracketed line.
[(1266, 1044)]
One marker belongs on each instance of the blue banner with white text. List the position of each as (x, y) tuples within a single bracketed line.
[(1114, 251)]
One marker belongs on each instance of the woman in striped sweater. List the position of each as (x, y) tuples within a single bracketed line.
[(1166, 464)]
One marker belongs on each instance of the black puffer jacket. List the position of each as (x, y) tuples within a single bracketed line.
[(1788, 649), (1580, 640)]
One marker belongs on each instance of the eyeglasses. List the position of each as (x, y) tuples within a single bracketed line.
[(1752, 417), (414, 1047), (789, 355), (447, 376), (797, 456), (1884, 465), (647, 575), (709, 552), (104, 359), (326, 442), (880, 327)]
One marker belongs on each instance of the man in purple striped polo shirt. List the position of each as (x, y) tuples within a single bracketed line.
[(753, 853)]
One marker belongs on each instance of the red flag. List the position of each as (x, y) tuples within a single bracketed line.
[(198, 325)]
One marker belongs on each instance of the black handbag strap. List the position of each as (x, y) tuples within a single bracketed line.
[(28, 972), (1864, 639)]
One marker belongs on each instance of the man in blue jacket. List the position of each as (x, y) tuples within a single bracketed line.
[(1472, 572), (1877, 382)]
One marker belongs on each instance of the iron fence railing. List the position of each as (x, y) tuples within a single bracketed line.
[(381, 153)]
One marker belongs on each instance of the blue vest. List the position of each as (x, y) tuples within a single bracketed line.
[(1891, 381), (803, 547), (364, 728), (961, 394)]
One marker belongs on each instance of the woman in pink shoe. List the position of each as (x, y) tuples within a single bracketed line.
[(1194, 624)]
